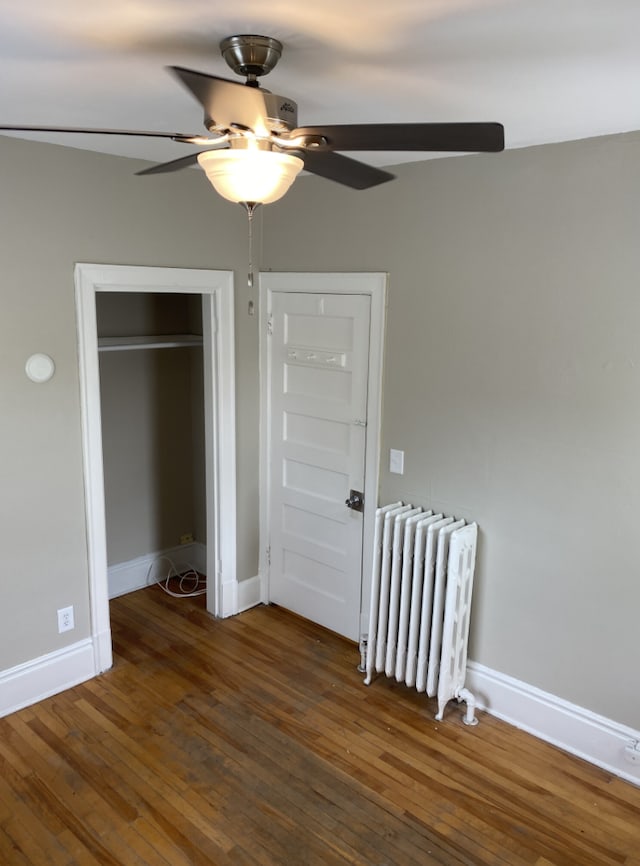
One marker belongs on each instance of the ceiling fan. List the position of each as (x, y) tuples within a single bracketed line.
[(255, 150)]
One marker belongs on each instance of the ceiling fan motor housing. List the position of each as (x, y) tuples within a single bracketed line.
[(280, 114), (254, 56)]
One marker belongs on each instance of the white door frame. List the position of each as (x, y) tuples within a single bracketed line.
[(216, 288), (375, 286)]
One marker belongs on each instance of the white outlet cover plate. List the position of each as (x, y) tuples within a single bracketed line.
[(66, 619)]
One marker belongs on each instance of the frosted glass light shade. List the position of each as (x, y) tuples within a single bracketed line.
[(250, 175)]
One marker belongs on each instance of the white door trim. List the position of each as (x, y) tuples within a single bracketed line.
[(374, 285), (216, 287)]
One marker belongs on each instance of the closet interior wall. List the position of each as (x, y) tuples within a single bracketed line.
[(152, 403)]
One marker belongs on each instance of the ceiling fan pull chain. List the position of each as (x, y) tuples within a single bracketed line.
[(250, 276), (250, 208)]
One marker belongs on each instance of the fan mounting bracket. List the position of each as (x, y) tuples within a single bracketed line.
[(251, 55)]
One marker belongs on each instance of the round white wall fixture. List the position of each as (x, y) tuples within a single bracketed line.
[(40, 368)]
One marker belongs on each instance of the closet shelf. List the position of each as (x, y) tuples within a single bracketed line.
[(163, 341)]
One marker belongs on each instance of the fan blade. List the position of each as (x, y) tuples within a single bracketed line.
[(173, 165), (455, 137), (226, 103), (175, 136), (348, 172)]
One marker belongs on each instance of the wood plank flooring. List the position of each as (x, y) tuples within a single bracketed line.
[(253, 741)]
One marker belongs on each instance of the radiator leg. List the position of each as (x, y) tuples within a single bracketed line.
[(366, 665), (362, 667), (469, 716)]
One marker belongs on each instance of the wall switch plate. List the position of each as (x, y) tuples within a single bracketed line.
[(65, 619), (396, 461)]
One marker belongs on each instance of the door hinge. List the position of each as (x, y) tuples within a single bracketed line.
[(270, 326), (269, 556)]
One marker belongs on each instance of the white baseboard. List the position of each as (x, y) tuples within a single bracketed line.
[(196, 555), (125, 577), (574, 729), (47, 675), (228, 598), (129, 576), (249, 593)]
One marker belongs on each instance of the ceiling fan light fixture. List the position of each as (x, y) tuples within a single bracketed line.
[(250, 175)]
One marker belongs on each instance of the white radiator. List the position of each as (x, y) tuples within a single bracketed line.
[(421, 588)]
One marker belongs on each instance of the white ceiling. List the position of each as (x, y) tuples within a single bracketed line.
[(549, 70)]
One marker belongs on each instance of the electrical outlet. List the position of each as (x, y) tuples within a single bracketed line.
[(187, 538), (65, 619)]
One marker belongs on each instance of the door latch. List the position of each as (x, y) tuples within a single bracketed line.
[(355, 500)]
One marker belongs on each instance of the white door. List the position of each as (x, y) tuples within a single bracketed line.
[(317, 392)]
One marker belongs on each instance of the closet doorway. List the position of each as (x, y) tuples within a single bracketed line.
[(215, 291)]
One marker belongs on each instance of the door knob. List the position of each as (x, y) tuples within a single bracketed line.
[(355, 500)]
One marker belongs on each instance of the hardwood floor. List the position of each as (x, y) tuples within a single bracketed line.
[(253, 741)]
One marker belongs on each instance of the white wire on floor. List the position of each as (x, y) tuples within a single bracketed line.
[(190, 583)]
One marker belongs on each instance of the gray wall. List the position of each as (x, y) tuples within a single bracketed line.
[(512, 383), (61, 206), (149, 459), (152, 427)]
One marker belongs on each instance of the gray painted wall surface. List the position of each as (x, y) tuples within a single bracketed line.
[(152, 426), (147, 442), (512, 383), (62, 206)]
